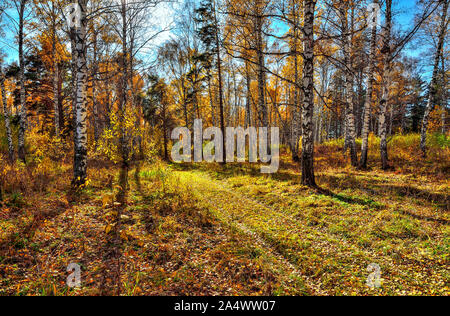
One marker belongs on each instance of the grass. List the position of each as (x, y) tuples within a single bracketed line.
[(207, 229)]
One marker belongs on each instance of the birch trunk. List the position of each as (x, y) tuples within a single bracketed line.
[(308, 177), (368, 102), (80, 157), (350, 117), (433, 84), (56, 90), (386, 81), (94, 93), (7, 119), (55, 76)]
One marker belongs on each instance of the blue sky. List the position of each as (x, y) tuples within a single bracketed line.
[(404, 10)]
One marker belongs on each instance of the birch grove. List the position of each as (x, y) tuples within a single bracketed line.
[(224, 147), (319, 70)]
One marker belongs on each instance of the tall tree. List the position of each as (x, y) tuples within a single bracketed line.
[(48, 13), (80, 94), (209, 32), (347, 44), (296, 115), (7, 116), (259, 21), (21, 8), (123, 94), (307, 163), (386, 82), (369, 95), (433, 89)]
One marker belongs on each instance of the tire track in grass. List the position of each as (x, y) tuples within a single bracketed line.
[(392, 268), (279, 224), (260, 241)]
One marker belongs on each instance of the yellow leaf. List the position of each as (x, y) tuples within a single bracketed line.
[(108, 228), (123, 235)]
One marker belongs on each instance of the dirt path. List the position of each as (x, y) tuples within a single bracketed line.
[(326, 263), (220, 197)]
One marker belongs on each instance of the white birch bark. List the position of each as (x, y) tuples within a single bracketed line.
[(7, 118), (386, 81), (80, 158), (368, 101), (350, 117), (308, 177)]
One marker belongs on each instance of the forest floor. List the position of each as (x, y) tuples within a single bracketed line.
[(206, 229)]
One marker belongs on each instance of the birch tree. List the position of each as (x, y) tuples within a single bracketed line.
[(386, 82), (349, 80), (7, 117), (369, 96), (80, 94), (6, 113), (307, 163)]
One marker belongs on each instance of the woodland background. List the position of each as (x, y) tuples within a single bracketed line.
[(86, 174)]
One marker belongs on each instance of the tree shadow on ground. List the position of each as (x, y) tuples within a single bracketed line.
[(27, 232), (381, 188)]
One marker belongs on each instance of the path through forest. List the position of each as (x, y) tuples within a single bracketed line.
[(327, 257), (199, 229)]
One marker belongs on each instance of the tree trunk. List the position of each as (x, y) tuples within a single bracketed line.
[(368, 102), (55, 75), (55, 83), (80, 157), (263, 113), (444, 97), (350, 117), (94, 92), (123, 90), (308, 177), (211, 101), (219, 70), (23, 105), (295, 137), (7, 119), (433, 84), (386, 81), (248, 101), (165, 132)]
